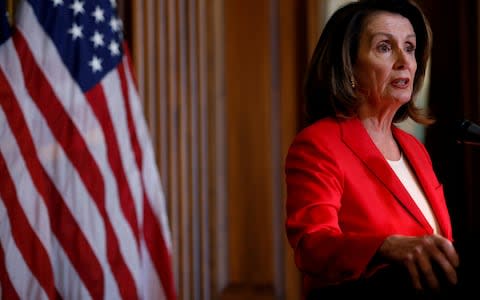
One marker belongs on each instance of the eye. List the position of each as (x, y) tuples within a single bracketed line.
[(410, 48), (384, 47)]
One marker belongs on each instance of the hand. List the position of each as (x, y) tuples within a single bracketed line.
[(421, 256)]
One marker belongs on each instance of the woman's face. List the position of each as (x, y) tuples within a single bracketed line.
[(385, 66)]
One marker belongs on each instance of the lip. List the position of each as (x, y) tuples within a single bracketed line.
[(401, 83)]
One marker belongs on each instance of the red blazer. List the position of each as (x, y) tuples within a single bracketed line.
[(343, 199)]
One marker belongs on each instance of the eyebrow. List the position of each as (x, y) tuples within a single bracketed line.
[(413, 35)]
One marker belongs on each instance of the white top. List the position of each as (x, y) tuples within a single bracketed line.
[(409, 180)]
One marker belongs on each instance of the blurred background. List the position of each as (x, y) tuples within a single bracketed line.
[(221, 83)]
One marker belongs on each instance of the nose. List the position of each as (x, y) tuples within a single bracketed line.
[(403, 59)]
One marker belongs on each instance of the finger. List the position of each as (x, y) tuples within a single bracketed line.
[(445, 265), (426, 270), (447, 269), (448, 249), (414, 276)]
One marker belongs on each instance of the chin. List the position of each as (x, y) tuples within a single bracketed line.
[(403, 99)]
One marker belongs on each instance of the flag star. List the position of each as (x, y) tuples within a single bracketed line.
[(115, 24), (57, 2), (113, 3), (76, 31), (77, 7), (114, 48), (98, 14), (96, 64), (97, 39)]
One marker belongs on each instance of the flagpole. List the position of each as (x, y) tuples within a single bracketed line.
[(10, 9)]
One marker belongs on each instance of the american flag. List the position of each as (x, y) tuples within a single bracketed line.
[(82, 211)]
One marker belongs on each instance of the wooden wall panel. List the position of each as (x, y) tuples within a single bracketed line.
[(248, 93), (250, 103), (265, 45), (217, 156), (293, 48), (171, 52), (220, 88)]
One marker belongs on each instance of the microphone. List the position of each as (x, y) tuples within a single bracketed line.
[(468, 132)]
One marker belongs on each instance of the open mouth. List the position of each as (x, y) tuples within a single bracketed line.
[(401, 82)]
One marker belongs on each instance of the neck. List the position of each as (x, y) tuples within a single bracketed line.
[(378, 114), (379, 128)]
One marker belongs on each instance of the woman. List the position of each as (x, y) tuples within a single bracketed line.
[(364, 207)]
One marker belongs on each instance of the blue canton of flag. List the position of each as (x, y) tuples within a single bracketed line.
[(87, 34), (4, 24)]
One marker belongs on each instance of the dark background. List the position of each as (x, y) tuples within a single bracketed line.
[(453, 96)]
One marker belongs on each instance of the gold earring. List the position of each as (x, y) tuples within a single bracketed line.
[(352, 83)]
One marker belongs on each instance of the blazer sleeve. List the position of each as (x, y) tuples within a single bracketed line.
[(314, 182)]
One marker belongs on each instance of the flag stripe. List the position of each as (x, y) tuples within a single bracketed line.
[(149, 170), (114, 100), (23, 281), (131, 129), (113, 84), (57, 165), (161, 256), (6, 286), (62, 222), (154, 288), (153, 236), (80, 164), (96, 98), (74, 146), (130, 246), (7, 289), (78, 109), (28, 243)]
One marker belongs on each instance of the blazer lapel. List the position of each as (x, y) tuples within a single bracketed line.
[(357, 139), (427, 179)]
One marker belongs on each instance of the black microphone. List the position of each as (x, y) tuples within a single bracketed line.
[(468, 132)]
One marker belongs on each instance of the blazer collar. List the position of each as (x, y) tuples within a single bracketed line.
[(357, 139)]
